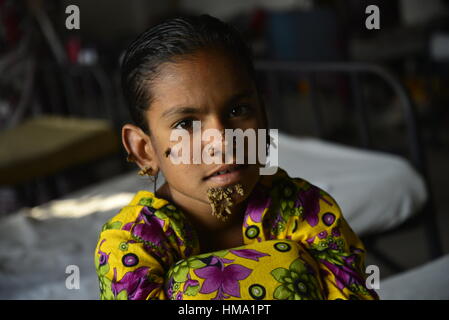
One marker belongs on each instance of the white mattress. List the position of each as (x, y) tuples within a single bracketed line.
[(426, 282), (375, 191)]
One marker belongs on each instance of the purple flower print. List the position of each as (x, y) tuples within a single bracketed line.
[(344, 276), (136, 284), (328, 218), (335, 232), (129, 225), (149, 217), (225, 280), (310, 240), (171, 233), (189, 283), (103, 259), (322, 234), (277, 225), (350, 259), (256, 205), (356, 250), (219, 261), (249, 254), (149, 232), (309, 200), (169, 287)]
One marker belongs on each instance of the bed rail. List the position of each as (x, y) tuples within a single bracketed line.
[(426, 217)]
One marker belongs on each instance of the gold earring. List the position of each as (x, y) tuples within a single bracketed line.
[(130, 158), (146, 171), (155, 182)]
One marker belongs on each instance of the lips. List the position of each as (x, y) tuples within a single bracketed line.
[(225, 170), (227, 175)]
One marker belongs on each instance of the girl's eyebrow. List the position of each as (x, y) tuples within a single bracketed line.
[(241, 95), (192, 110), (179, 110)]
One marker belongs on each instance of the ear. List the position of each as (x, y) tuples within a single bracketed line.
[(139, 146)]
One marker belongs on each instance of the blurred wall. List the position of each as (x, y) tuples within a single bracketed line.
[(109, 19), (226, 9), (419, 11)]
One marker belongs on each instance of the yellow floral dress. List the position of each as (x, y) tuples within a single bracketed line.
[(297, 246)]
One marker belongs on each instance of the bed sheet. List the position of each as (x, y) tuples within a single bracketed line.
[(376, 191)]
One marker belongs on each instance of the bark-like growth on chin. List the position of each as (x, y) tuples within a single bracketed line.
[(220, 200)]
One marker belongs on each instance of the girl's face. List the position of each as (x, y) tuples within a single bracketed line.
[(215, 89)]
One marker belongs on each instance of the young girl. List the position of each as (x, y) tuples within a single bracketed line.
[(281, 237)]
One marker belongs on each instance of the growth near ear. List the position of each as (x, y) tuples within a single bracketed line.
[(167, 152)]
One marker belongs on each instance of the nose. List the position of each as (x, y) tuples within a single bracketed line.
[(215, 140)]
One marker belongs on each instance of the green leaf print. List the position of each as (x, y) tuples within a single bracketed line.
[(106, 288), (283, 204), (281, 293), (279, 274), (196, 264), (192, 290), (116, 225), (122, 295), (180, 272), (160, 214), (298, 266), (147, 202), (297, 283), (298, 211), (222, 253), (101, 270)]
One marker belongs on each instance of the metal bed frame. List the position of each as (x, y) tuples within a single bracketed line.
[(426, 217), (69, 88)]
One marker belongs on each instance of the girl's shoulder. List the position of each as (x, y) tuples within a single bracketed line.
[(132, 213), (300, 191), (297, 208), (153, 221)]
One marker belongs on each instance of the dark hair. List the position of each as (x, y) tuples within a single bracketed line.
[(164, 43)]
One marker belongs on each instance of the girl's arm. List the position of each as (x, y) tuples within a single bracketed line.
[(334, 245), (131, 257), (127, 269)]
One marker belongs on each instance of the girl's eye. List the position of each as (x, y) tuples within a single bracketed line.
[(183, 124), (240, 110)]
